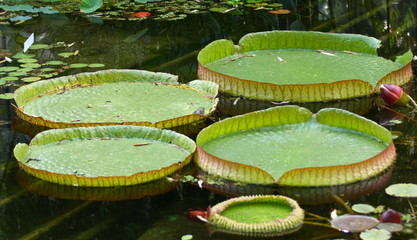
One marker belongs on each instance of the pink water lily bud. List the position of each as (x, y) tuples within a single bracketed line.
[(390, 216), (394, 95)]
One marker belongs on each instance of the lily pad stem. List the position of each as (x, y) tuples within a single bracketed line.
[(411, 206), (413, 103)]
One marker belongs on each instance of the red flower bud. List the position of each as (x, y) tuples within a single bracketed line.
[(390, 216), (393, 94)]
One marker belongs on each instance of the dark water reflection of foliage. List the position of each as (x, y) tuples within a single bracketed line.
[(172, 47)]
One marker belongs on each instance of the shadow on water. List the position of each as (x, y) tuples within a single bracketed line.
[(172, 46)]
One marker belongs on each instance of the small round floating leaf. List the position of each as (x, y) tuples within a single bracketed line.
[(353, 223), (31, 65), (27, 60), (46, 75), (363, 208), (89, 6), (47, 69), (66, 54), (23, 55), (25, 69), (20, 18), (2, 82), (402, 190), (187, 237), (31, 79), (390, 227), (96, 65), (54, 63), (375, 234), (39, 46), (9, 68), (9, 78), (6, 96), (78, 65), (17, 74)]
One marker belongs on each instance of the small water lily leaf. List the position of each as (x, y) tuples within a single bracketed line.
[(31, 79), (24, 55), (9, 78), (20, 18), (66, 54), (375, 234), (353, 223), (46, 75), (8, 69), (89, 6), (31, 65), (188, 236), (39, 46), (47, 69), (2, 82), (27, 60), (55, 63), (402, 190), (16, 7), (6, 96), (391, 227), (96, 65), (78, 65), (17, 74), (25, 69), (363, 208)]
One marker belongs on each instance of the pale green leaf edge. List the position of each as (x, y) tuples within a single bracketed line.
[(89, 6), (26, 93)]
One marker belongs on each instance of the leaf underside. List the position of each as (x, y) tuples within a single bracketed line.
[(289, 146)]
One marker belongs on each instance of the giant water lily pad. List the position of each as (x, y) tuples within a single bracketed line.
[(115, 97), (105, 155), (301, 66), (262, 215), (290, 146)]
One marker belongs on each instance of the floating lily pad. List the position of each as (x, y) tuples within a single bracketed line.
[(375, 234), (116, 97), (263, 215), (78, 65), (31, 79), (105, 155), (402, 190), (96, 65), (20, 18), (6, 96), (301, 66), (66, 54), (24, 55), (27, 60), (354, 223), (290, 146), (57, 63), (9, 69), (31, 65), (363, 208), (39, 46), (17, 74), (9, 78)]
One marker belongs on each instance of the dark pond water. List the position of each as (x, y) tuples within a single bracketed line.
[(157, 211)]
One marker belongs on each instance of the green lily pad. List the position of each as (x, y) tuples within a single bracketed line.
[(6, 96), (20, 18), (363, 208), (301, 66), (9, 78), (402, 190), (24, 69), (27, 60), (290, 146), (262, 215), (30, 65), (24, 55), (96, 65), (93, 157), (9, 69), (78, 65), (31, 79), (375, 234), (116, 97), (17, 74), (55, 63), (47, 69), (89, 6), (66, 54), (39, 46)]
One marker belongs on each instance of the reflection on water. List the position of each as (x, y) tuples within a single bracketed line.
[(172, 47)]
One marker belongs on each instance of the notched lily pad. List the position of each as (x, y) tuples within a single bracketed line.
[(116, 97), (290, 146), (300, 66), (104, 156), (262, 215)]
